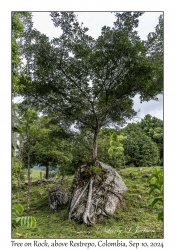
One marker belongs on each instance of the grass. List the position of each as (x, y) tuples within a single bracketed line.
[(35, 174), (134, 219)]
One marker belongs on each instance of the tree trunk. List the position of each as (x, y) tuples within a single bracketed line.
[(28, 177), (20, 167), (47, 172), (19, 177), (95, 144), (123, 156)]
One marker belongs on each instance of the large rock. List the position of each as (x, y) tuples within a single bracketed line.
[(58, 196), (96, 193)]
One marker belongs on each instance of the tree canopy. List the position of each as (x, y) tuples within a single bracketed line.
[(89, 83), (21, 22)]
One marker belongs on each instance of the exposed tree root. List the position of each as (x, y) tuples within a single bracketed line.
[(72, 206), (97, 191), (86, 215)]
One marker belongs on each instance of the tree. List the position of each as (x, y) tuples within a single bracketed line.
[(81, 153), (21, 21), (116, 146), (153, 127), (154, 45), (139, 149), (105, 135), (26, 122), (17, 29), (85, 82), (48, 149)]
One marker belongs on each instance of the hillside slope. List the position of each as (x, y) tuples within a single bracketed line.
[(134, 219)]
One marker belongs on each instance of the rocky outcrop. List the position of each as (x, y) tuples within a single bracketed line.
[(58, 196), (97, 191)]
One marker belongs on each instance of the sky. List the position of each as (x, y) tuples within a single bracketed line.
[(95, 21)]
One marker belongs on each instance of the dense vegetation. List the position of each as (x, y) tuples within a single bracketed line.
[(47, 145), (77, 95)]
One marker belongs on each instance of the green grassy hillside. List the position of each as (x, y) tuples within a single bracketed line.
[(35, 174), (134, 219)]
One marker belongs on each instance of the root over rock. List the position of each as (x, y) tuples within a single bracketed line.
[(96, 193)]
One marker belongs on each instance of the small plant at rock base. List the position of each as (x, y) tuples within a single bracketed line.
[(157, 185), (19, 220), (96, 170)]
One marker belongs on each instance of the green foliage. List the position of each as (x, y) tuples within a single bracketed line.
[(116, 147), (80, 147), (45, 142), (18, 174), (153, 128), (20, 22), (139, 149), (95, 170), (26, 120), (154, 45), (91, 83), (50, 148), (156, 188), (104, 145), (67, 169), (16, 129), (19, 220)]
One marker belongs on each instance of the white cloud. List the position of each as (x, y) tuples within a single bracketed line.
[(42, 22), (147, 23), (154, 108)]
